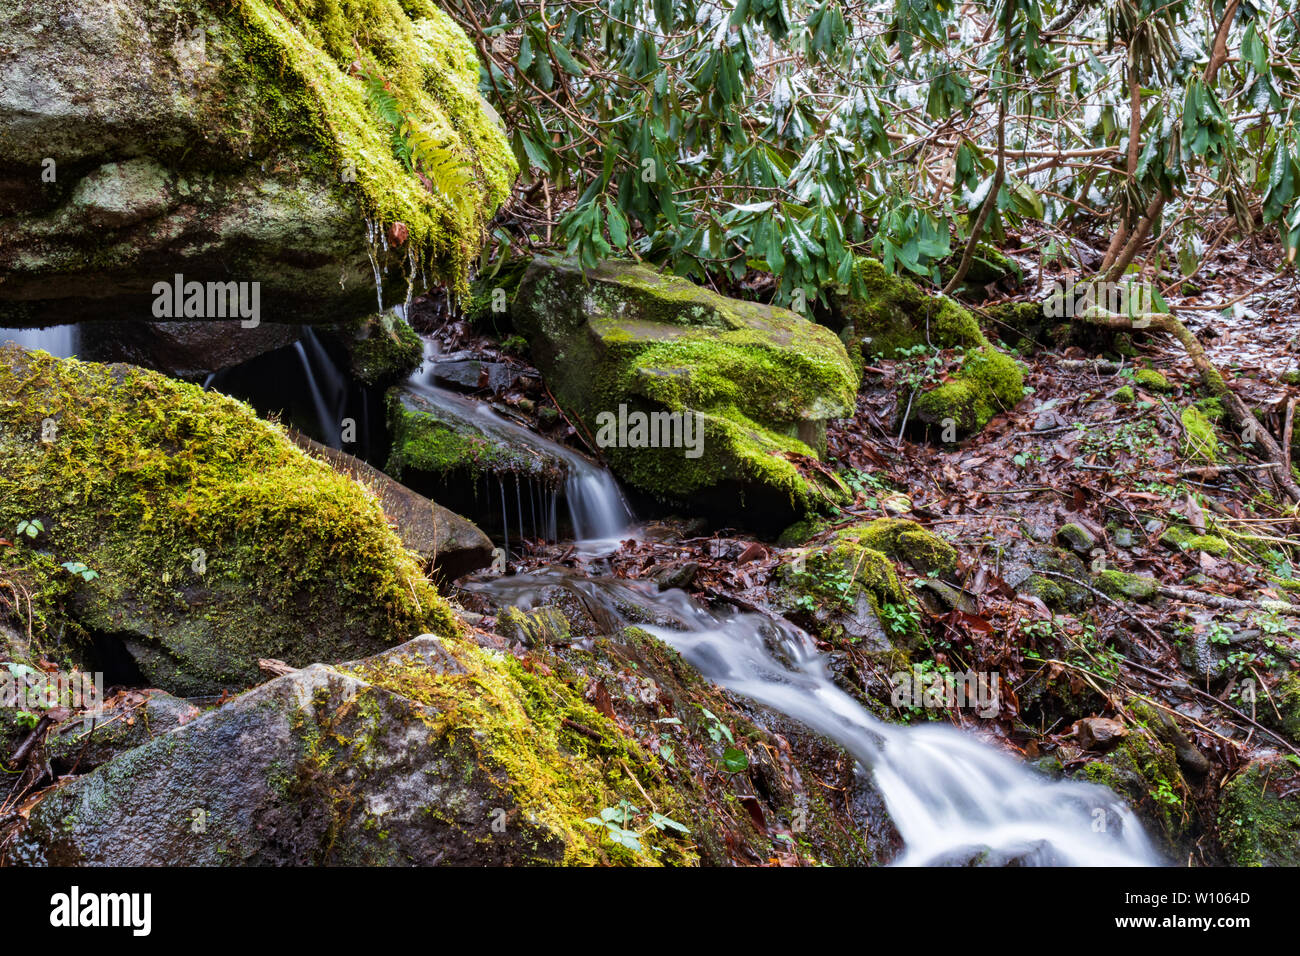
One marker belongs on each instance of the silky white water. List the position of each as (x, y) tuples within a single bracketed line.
[(597, 510), (952, 796)]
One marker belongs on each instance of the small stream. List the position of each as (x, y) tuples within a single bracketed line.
[(952, 796)]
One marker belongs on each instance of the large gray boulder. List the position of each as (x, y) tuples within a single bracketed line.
[(431, 753), (142, 139)]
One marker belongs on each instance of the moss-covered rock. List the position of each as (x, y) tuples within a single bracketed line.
[(1120, 584), (1077, 537), (895, 315), (760, 382), (445, 442), (1151, 380), (235, 141), (436, 752), (1259, 814), (847, 589), (1185, 539), (1143, 769), (210, 540), (988, 265), (1124, 395)]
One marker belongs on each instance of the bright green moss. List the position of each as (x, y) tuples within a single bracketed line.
[(1199, 438), (903, 540), (308, 48), (561, 759), (761, 381), (895, 315), (1151, 380), (1124, 395), (1121, 584), (144, 475), (1186, 540)]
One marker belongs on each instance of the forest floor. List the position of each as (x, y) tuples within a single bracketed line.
[(1097, 445)]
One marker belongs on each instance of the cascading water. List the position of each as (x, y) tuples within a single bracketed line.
[(597, 510), (952, 797)]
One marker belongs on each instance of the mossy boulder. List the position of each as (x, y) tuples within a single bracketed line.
[(235, 141), (210, 540), (1120, 584), (847, 589), (759, 382), (435, 752), (1259, 814), (894, 315)]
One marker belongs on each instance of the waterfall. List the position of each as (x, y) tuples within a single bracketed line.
[(952, 796), (597, 510), (61, 341)]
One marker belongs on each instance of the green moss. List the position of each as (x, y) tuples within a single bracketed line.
[(829, 582), (436, 440), (1257, 824), (1124, 395), (1120, 584), (561, 759), (143, 473), (1077, 537), (1287, 695), (1151, 380), (894, 315), (1199, 438), (903, 540), (1187, 540), (307, 47), (1143, 768), (382, 349), (761, 381)]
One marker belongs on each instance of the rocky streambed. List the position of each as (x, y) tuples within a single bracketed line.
[(360, 594)]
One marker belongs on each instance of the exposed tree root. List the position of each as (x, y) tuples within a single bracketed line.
[(1251, 430)]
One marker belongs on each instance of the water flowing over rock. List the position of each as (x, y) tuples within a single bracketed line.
[(232, 142), (752, 385)]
